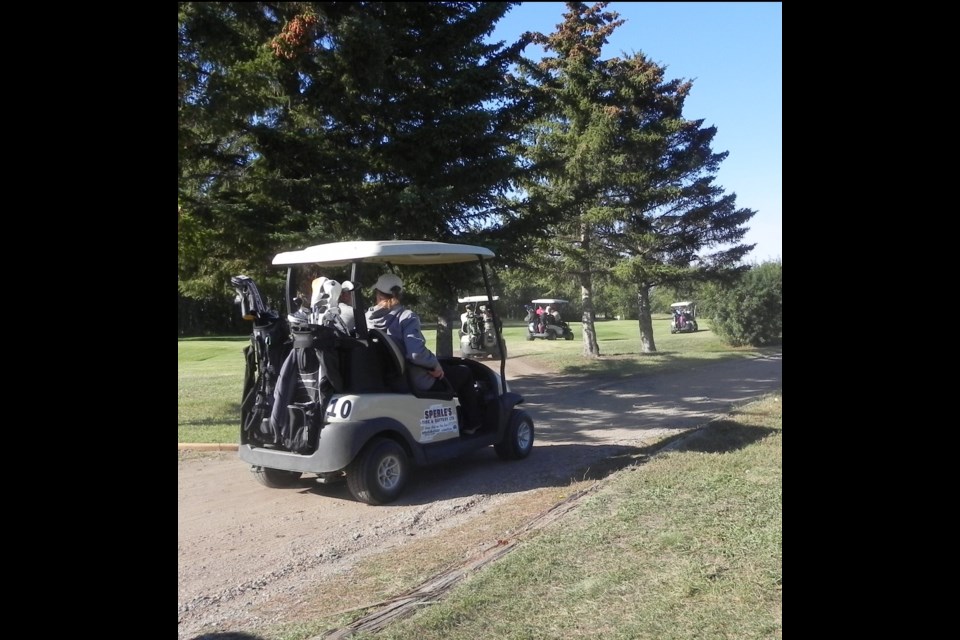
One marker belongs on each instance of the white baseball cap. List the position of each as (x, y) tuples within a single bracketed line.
[(389, 284)]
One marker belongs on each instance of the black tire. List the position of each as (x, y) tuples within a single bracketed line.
[(379, 473), (275, 478), (551, 335), (529, 336), (695, 327), (518, 440)]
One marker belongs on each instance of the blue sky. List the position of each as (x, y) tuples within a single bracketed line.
[(733, 54)]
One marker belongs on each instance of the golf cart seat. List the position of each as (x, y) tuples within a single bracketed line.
[(399, 372)]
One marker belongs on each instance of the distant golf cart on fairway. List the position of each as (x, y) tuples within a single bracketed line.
[(543, 321), (684, 317), (478, 331)]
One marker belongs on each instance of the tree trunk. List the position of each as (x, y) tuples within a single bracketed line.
[(445, 334), (647, 345), (591, 348)]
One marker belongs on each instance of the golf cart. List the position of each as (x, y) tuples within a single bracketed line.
[(317, 400), (684, 317), (478, 332), (545, 325)]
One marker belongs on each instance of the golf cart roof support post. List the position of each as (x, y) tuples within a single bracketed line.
[(288, 291), (493, 316)]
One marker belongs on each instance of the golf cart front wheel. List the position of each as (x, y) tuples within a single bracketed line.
[(518, 439)]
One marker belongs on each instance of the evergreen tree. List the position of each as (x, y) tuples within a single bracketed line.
[(622, 182), (749, 311), (322, 121), (224, 84)]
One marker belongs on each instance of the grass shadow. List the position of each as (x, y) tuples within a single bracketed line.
[(723, 436)]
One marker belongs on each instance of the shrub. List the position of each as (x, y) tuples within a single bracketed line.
[(750, 312)]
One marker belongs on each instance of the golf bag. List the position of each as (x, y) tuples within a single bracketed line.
[(268, 348), (310, 375), (474, 327)]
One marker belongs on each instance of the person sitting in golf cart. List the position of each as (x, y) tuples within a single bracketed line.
[(402, 325), (552, 315), (486, 317), (465, 319)]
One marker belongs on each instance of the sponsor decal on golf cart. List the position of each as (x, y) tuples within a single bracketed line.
[(437, 419)]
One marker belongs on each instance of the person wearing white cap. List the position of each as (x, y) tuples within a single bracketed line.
[(403, 326)]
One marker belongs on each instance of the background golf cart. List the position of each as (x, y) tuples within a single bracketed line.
[(478, 331), (351, 411), (684, 317), (552, 329)]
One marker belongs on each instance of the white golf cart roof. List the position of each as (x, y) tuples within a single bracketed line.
[(677, 305), (549, 301), (337, 254), (469, 299)]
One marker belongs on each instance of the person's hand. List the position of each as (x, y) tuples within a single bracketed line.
[(437, 372)]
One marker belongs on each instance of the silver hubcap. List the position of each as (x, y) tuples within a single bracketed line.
[(388, 473), (523, 435)]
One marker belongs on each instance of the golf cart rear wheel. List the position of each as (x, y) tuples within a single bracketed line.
[(275, 478), (518, 439), (379, 473)]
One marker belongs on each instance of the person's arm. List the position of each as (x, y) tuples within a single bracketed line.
[(416, 346)]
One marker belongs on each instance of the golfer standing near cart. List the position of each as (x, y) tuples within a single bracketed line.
[(402, 325)]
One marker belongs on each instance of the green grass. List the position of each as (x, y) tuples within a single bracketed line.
[(209, 385), (210, 370), (689, 545), (620, 355)]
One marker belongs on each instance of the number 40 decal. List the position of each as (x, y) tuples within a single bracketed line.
[(345, 408)]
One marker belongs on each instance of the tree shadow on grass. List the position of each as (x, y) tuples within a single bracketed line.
[(724, 436)]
